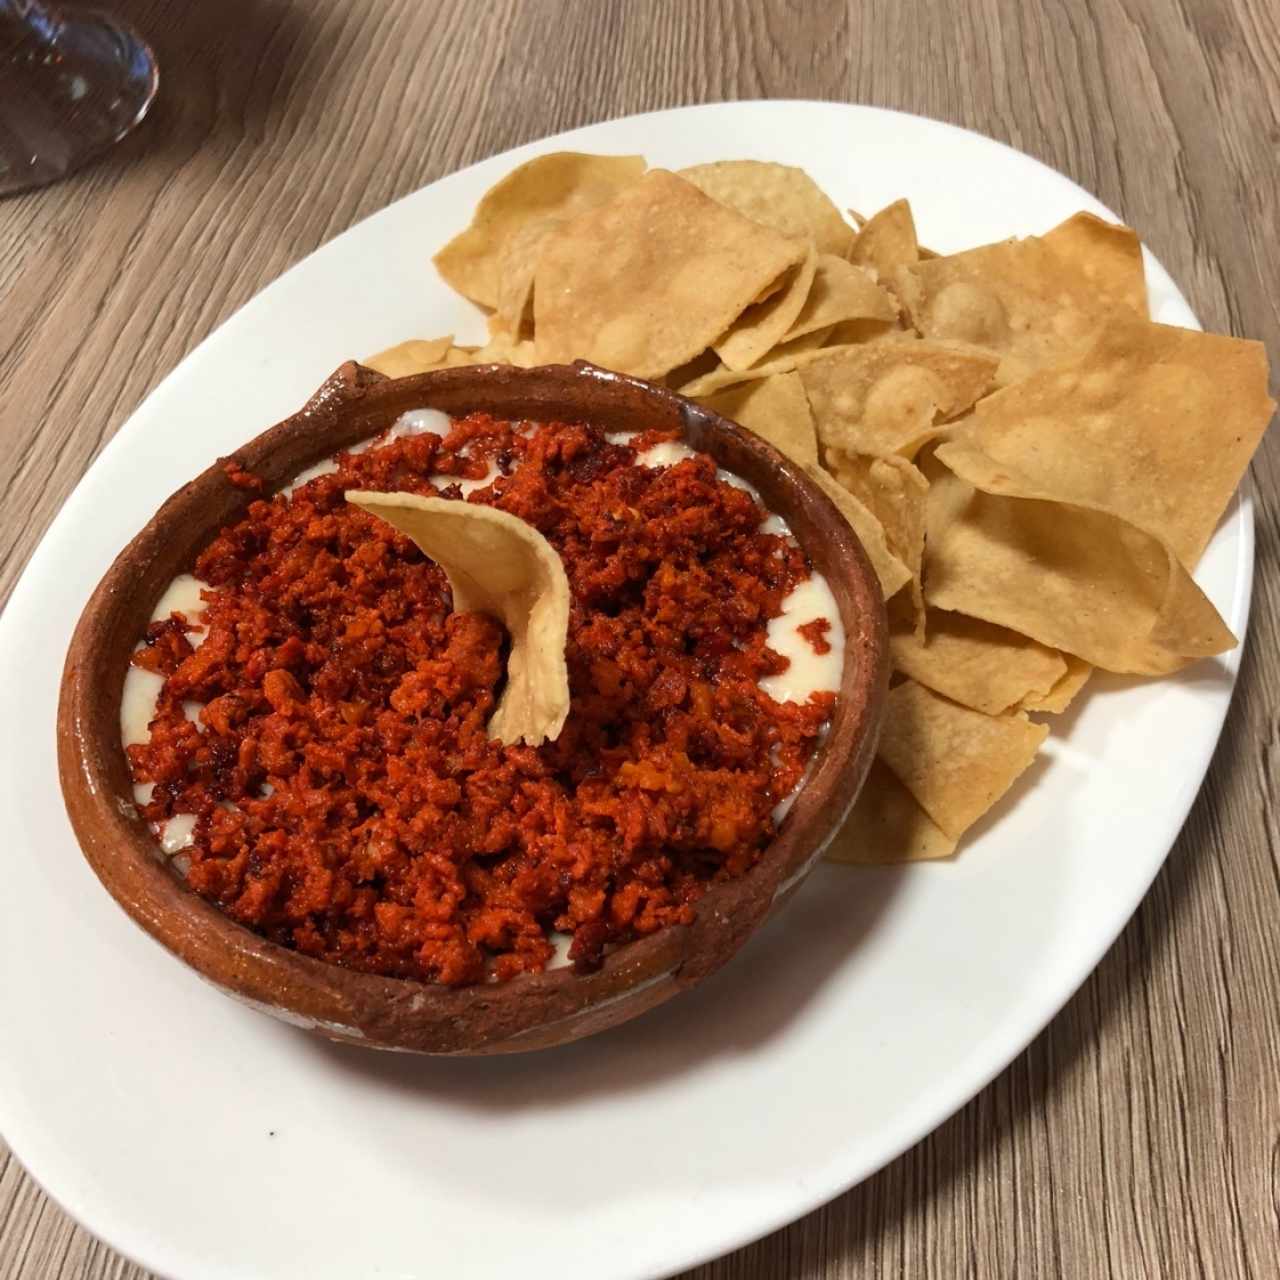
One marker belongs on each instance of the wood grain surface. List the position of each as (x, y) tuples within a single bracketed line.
[(1139, 1136)]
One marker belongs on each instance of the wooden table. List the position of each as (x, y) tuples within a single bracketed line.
[(1139, 1136)]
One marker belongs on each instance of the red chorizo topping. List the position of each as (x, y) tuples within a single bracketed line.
[(348, 802), (815, 632), (239, 477)]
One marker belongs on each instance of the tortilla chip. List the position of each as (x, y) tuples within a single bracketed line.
[(896, 493), (1107, 255), (763, 325), (540, 192), (955, 761), (854, 333), (1019, 298), (804, 343), (517, 264), (783, 359), (887, 241), (887, 825), (778, 196), (1061, 696), (892, 573), (841, 292), (775, 409), (498, 565), (886, 398), (502, 349), (1071, 576), (417, 355), (979, 665), (1153, 423), (651, 279)]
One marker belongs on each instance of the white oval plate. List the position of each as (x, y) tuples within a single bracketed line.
[(205, 1140)]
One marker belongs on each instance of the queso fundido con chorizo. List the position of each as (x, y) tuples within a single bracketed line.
[(305, 719)]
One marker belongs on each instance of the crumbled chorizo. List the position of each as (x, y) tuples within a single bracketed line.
[(349, 803)]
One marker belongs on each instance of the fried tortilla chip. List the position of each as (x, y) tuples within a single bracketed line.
[(776, 409), (892, 573), (651, 279), (886, 398), (1153, 423), (512, 317), (503, 349), (854, 333), (498, 565), (1107, 255), (763, 325), (418, 355), (979, 665), (1018, 298), (887, 825), (778, 196), (1071, 576), (783, 359), (841, 292), (887, 241), (896, 493), (955, 761), (1061, 696), (530, 200)]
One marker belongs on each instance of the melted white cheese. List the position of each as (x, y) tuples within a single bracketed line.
[(182, 596), (142, 688), (666, 454), (560, 944), (178, 832), (138, 705), (739, 483), (807, 672), (326, 467), (417, 422)]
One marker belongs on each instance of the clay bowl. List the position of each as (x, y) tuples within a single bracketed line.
[(532, 1011)]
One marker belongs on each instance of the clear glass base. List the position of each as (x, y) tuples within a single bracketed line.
[(72, 83)]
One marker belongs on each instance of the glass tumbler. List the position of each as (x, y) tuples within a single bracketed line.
[(72, 82)]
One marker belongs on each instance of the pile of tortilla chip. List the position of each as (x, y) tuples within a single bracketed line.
[(1033, 466)]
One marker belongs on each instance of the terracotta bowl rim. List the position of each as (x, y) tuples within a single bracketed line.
[(384, 1012)]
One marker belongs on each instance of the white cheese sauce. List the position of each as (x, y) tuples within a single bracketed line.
[(560, 944), (417, 422), (142, 688), (808, 671), (325, 467), (142, 693), (666, 454), (138, 705)]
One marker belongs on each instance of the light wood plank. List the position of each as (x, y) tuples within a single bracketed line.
[(1139, 1136)]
